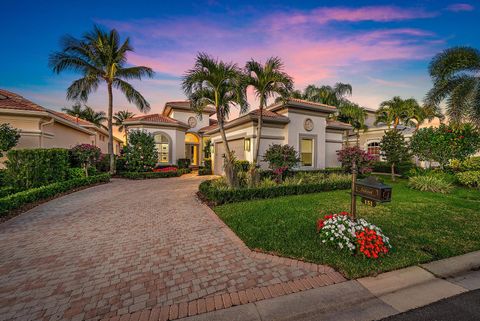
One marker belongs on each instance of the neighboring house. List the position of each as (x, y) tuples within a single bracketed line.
[(180, 133), (44, 128)]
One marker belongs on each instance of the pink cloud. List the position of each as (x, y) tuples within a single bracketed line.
[(458, 7)]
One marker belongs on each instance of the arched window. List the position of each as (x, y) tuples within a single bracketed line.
[(373, 149), (162, 142)]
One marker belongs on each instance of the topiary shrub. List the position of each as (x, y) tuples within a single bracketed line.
[(27, 168), (430, 183), (348, 155), (281, 158), (469, 178), (140, 154)]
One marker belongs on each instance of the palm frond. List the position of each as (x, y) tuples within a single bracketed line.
[(132, 95)]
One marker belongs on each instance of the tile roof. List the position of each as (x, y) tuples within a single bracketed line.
[(267, 115), (156, 118), (295, 102), (335, 123), (9, 100), (184, 105), (73, 119)]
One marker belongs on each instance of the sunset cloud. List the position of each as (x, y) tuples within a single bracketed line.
[(458, 7)]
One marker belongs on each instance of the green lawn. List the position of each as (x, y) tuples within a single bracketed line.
[(422, 227)]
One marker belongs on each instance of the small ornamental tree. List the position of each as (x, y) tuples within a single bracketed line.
[(9, 137), (86, 155), (140, 153), (394, 149), (445, 143), (281, 158), (362, 159)]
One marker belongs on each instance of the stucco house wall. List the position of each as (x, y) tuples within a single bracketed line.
[(65, 136)]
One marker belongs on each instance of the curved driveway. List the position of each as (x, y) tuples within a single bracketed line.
[(122, 247)]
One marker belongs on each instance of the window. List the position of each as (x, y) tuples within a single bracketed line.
[(374, 150), (306, 151), (163, 147)]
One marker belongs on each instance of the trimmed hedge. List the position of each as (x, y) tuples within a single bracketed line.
[(222, 196), (5, 191), (20, 199), (149, 175), (401, 169), (328, 170), (204, 171), (27, 168)]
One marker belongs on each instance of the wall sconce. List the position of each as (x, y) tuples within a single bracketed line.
[(246, 144)]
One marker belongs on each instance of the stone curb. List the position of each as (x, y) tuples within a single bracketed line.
[(454, 266)]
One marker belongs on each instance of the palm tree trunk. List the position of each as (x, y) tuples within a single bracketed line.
[(358, 139), (228, 166), (259, 132), (393, 171), (110, 129)]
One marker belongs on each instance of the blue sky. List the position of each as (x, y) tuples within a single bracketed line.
[(382, 48)]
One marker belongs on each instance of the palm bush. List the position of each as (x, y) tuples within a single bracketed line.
[(430, 183)]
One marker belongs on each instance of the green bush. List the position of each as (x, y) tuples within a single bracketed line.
[(469, 178), (103, 163), (20, 199), (204, 171), (218, 191), (148, 175), (27, 168), (141, 154), (7, 190), (76, 172), (208, 163), (470, 164), (183, 163), (120, 164), (242, 165), (2, 178), (402, 169), (430, 183)]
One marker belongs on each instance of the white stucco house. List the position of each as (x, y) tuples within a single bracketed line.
[(180, 133)]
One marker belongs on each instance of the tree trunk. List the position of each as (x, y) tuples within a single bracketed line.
[(393, 172), (110, 129), (229, 165), (259, 133), (358, 139)]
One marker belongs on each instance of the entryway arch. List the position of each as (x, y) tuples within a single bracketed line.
[(192, 148)]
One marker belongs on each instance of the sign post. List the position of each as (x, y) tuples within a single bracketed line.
[(353, 204), (370, 190)]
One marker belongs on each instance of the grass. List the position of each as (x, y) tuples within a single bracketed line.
[(422, 226)]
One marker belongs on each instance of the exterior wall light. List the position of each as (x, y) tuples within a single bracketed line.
[(246, 144)]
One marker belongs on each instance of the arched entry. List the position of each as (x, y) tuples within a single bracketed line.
[(192, 148), (163, 143)]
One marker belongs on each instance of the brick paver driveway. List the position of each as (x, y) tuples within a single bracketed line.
[(122, 247)]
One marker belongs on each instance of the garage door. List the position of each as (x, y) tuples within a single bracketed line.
[(236, 146)]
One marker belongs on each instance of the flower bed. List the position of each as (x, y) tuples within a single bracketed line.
[(355, 236), (156, 174), (17, 200)]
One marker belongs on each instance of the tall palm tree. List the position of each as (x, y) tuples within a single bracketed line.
[(328, 95), (100, 57), (212, 82), (354, 115), (395, 111), (119, 118), (95, 117), (419, 114), (456, 78), (76, 111), (267, 81)]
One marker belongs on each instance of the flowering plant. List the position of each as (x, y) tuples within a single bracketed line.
[(341, 231), (362, 159), (165, 169)]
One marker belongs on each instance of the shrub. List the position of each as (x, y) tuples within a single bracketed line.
[(103, 163), (27, 168), (140, 153), (430, 183), (183, 163), (218, 191), (3, 181), (75, 172), (149, 175), (7, 190), (204, 171), (470, 164), (394, 149), (362, 159), (86, 155), (20, 199), (120, 164), (207, 163), (9, 137), (402, 168), (445, 143), (469, 178), (280, 159), (242, 165)]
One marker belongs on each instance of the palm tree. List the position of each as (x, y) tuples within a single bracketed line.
[(456, 78), (212, 82), (419, 114), (100, 57), (267, 81), (119, 118), (76, 111), (395, 111), (93, 116), (354, 115), (328, 95)]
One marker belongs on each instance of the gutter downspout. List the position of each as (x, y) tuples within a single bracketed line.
[(51, 121)]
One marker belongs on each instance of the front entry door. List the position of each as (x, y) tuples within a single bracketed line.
[(191, 152)]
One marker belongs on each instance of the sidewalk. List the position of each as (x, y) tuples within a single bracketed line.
[(371, 298)]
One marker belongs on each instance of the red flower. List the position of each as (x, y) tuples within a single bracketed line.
[(370, 243)]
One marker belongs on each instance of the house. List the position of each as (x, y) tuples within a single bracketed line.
[(181, 133), (44, 128)]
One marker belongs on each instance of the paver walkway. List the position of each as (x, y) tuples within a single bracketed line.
[(123, 247)]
